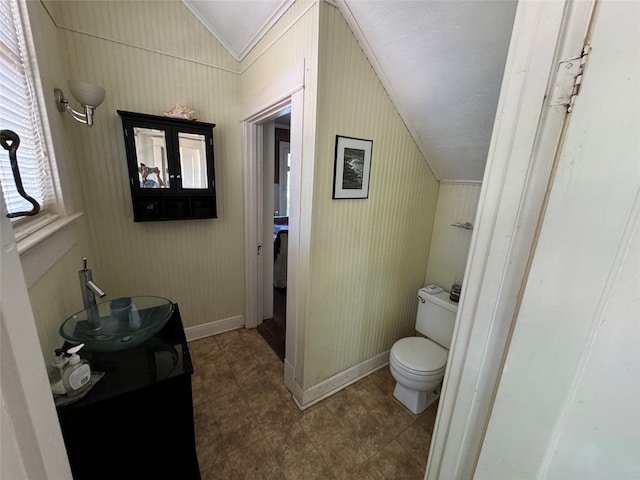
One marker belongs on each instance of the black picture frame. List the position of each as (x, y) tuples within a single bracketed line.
[(352, 167)]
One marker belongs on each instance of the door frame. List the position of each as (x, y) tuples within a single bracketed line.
[(287, 91), (519, 171), (283, 167)]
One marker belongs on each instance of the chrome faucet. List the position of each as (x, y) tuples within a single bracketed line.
[(89, 292)]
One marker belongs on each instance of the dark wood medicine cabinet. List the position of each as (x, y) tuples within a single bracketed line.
[(171, 167)]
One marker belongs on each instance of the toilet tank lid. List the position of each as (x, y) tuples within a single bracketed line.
[(441, 299)]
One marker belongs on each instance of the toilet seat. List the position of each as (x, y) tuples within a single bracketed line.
[(414, 375), (419, 356)]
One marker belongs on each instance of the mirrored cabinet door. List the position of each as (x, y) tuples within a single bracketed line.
[(151, 156), (193, 160), (171, 167)]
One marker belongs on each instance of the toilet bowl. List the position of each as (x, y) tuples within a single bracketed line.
[(418, 363)]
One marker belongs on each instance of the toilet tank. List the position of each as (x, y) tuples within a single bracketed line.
[(436, 316)]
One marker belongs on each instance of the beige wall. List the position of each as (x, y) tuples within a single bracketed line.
[(363, 259), (368, 257), (457, 203), (56, 295), (148, 56), (293, 38)]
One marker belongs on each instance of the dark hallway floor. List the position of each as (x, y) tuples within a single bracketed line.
[(273, 330)]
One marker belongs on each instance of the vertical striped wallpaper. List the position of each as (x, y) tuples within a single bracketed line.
[(368, 257), (150, 56), (293, 38), (166, 27), (56, 295), (457, 203)]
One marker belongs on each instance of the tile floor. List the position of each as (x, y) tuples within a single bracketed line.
[(248, 426)]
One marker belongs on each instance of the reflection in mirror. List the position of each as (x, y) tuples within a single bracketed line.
[(151, 152), (193, 160)]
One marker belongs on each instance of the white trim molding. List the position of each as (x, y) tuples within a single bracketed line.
[(287, 91), (267, 101), (307, 398), (459, 182), (267, 47), (41, 250), (239, 54), (284, 6), (214, 328), (519, 168)]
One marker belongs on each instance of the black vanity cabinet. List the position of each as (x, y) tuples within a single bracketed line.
[(137, 421), (171, 167)]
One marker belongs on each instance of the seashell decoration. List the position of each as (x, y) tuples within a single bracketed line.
[(180, 111)]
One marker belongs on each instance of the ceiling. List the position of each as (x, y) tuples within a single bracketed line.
[(441, 63)]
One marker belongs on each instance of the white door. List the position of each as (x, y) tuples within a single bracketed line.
[(568, 402), (32, 443)]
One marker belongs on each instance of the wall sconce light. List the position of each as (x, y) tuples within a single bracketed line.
[(89, 96)]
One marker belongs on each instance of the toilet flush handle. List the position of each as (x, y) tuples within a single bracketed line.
[(421, 299)]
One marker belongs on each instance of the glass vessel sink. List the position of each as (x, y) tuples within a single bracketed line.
[(118, 324)]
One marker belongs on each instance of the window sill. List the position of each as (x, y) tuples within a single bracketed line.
[(40, 250)]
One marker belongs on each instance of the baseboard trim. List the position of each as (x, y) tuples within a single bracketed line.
[(214, 328), (289, 376), (340, 381)]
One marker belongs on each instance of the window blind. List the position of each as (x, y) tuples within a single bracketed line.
[(19, 112)]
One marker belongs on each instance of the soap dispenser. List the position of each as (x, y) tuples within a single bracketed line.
[(77, 373), (59, 364)]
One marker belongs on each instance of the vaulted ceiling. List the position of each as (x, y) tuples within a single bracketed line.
[(440, 61)]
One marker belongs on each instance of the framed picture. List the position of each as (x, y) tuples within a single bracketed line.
[(352, 167)]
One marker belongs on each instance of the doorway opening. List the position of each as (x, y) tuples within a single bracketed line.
[(260, 112), (276, 170)]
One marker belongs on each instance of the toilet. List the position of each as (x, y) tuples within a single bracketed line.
[(417, 363)]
